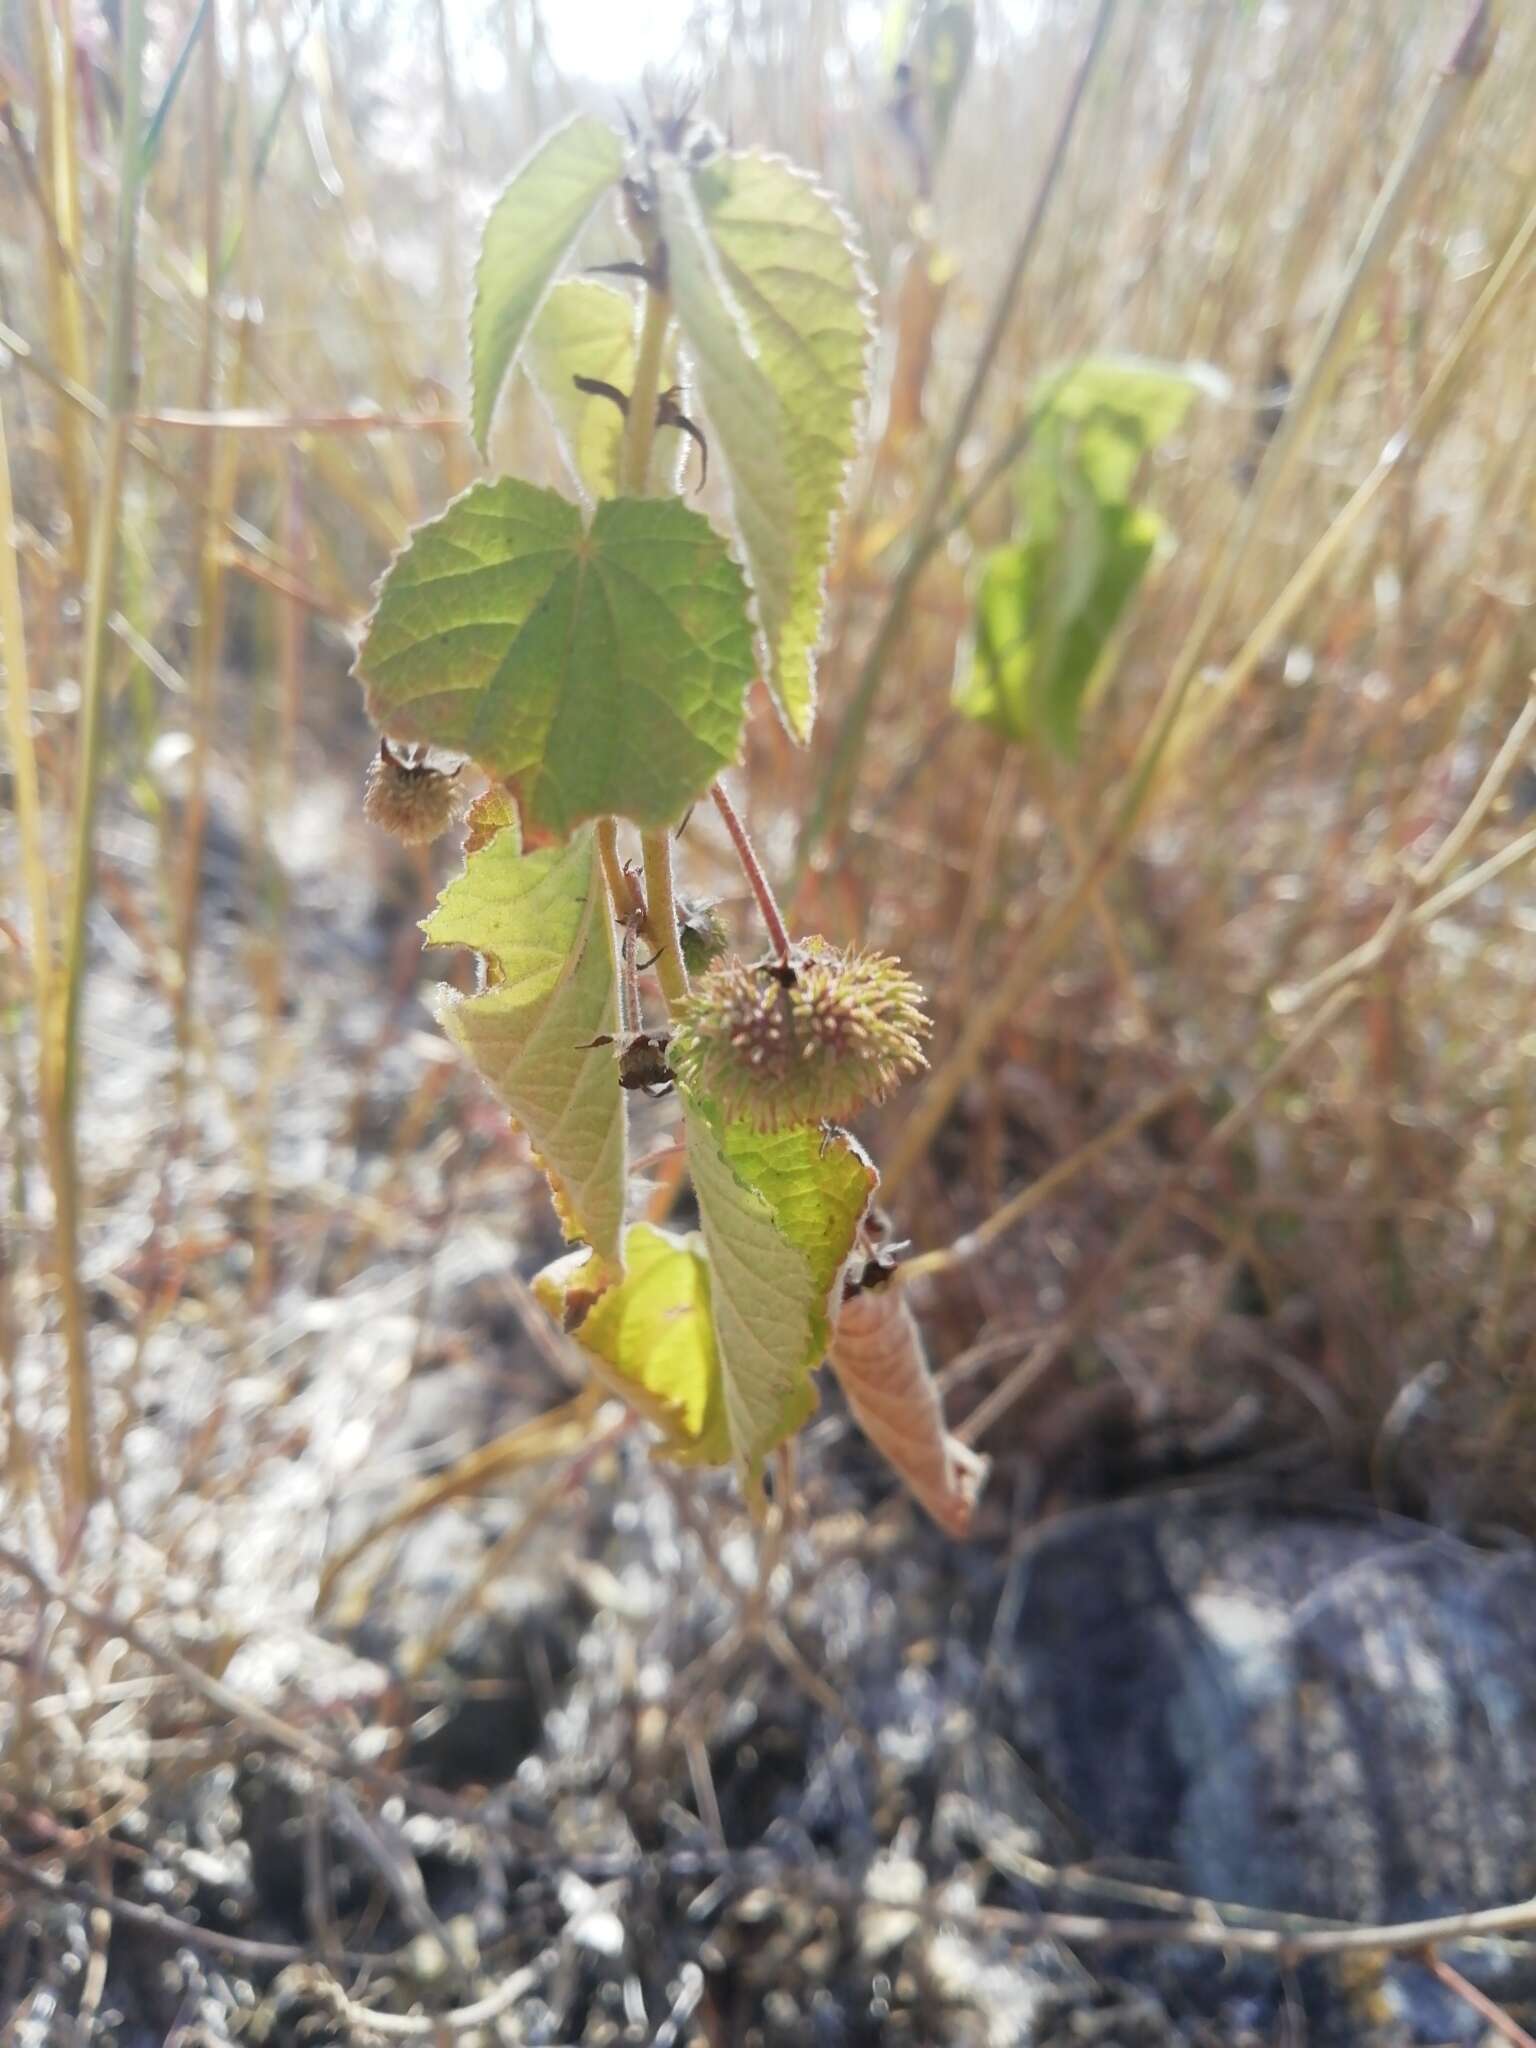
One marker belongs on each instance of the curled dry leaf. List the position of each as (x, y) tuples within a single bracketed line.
[(878, 1356)]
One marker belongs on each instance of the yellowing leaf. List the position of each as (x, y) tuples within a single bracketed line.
[(772, 302), (777, 1212), (604, 669), (530, 229), (713, 1337), (541, 923), (817, 1182), (650, 1337)]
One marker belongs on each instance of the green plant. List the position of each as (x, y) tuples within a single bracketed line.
[(1048, 605), (592, 655)]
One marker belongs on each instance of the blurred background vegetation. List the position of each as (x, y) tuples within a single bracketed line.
[(1258, 908)]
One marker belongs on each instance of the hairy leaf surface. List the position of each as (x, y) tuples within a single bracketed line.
[(714, 1336), (777, 1212), (541, 925), (603, 670), (772, 302), (527, 236)]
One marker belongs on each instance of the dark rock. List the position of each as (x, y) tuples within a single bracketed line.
[(1297, 1708)]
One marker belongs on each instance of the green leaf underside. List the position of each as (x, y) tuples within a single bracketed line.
[(651, 1338), (586, 329), (603, 670), (777, 1213), (527, 236), (772, 304), (1048, 605), (540, 921)]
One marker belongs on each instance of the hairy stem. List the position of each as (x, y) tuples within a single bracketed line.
[(634, 475), (640, 425), (752, 868), (661, 917), (623, 891)]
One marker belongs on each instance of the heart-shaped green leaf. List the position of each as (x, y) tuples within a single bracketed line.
[(530, 229), (603, 670), (771, 297), (541, 924)]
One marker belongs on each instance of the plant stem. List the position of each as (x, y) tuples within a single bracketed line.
[(634, 476), (24, 776), (216, 481), (622, 892), (661, 916), (82, 1475), (1411, 441), (29, 833), (640, 424), (1043, 1190), (752, 868), (17, 1465), (835, 789), (54, 53)]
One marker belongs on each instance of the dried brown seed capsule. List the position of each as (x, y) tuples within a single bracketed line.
[(642, 1059), (798, 1041), (405, 795)]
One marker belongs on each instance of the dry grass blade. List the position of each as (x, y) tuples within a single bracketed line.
[(554, 1435)]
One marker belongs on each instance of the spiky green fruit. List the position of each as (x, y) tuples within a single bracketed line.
[(811, 1039)]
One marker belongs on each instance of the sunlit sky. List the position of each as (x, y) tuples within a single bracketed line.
[(613, 41)]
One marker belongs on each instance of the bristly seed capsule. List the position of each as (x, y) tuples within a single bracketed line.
[(815, 1037)]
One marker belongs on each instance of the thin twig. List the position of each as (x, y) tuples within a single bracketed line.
[(1495, 2015), (234, 1706), (1041, 1191), (150, 1920), (247, 419), (752, 868), (464, 2019)]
